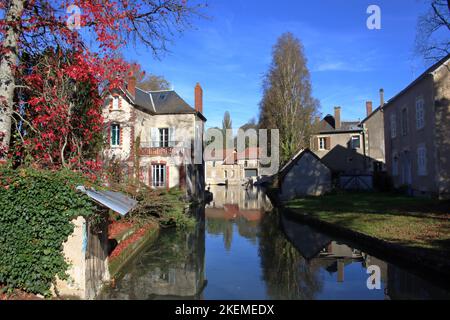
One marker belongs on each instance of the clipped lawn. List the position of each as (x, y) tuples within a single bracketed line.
[(412, 222)]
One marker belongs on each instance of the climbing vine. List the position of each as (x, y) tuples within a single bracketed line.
[(36, 209)]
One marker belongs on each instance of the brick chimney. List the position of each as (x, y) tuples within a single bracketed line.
[(369, 108), (381, 97), (317, 119), (198, 98), (131, 85), (337, 117)]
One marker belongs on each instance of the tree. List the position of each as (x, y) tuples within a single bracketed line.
[(227, 124), (287, 103), (31, 26), (60, 124), (250, 125), (153, 82), (433, 31)]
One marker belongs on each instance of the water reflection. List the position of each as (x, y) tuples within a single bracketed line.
[(237, 207), (171, 268), (242, 248)]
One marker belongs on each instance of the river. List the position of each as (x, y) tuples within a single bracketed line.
[(243, 248)]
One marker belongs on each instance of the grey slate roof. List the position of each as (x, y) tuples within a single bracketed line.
[(326, 127), (170, 102), (144, 100), (161, 102)]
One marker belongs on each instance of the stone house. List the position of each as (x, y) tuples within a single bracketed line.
[(417, 133), (373, 137), (159, 132), (352, 147), (232, 167), (340, 144), (304, 175)]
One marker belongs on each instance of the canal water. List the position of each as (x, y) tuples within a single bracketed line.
[(243, 248)]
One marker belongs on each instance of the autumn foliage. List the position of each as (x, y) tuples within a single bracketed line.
[(68, 57)]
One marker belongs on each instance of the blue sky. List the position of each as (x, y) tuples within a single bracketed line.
[(229, 52)]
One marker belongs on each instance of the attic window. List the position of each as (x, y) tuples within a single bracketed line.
[(162, 96)]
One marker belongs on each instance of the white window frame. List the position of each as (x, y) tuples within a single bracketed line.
[(422, 160), (115, 103), (359, 139), (164, 137), (115, 127), (393, 126), (159, 172), (322, 143), (420, 113)]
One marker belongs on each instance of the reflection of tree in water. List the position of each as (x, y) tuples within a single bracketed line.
[(224, 227), (172, 266), (248, 229), (221, 227), (286, 273)]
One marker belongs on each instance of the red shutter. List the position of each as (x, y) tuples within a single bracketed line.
[(120, 135), (167, 177)]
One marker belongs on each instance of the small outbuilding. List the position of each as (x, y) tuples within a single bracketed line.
[(304, 175)]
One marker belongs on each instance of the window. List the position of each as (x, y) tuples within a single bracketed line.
[(164, 137), (393, 126), (158, 175), (395, 165), (322, 143), (420, 113), (404, 122), (115, 103), (115, 135), (356, 142), (421, 161)]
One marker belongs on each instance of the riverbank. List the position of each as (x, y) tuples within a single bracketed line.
[(414, 229), (156, 210)]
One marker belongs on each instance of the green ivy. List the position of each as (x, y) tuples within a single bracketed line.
[(36, 209)]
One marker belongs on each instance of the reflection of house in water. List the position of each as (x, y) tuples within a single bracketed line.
[(235, 205), (319, 249), (244, 199), (322, 251), (172, 268)]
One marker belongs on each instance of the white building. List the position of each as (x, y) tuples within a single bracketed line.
[(161, 131)]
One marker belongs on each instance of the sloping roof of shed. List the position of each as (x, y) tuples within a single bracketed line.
[(295, 159)]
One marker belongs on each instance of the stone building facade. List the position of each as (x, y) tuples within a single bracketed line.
[(159, 132), (417, 133)]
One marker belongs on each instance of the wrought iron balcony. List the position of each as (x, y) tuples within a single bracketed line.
[(165, 149)]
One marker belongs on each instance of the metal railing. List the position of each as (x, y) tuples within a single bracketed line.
[(165, 144)]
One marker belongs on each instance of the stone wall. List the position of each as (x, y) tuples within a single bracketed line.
[(86, 250)]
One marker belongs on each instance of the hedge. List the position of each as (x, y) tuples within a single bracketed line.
[(36, 209)]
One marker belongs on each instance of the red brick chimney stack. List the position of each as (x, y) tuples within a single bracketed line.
[(337, 117), (131, 85), (198, 98), (369, 108)]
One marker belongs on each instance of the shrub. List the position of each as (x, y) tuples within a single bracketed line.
[(36, 209), (167, 207)]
